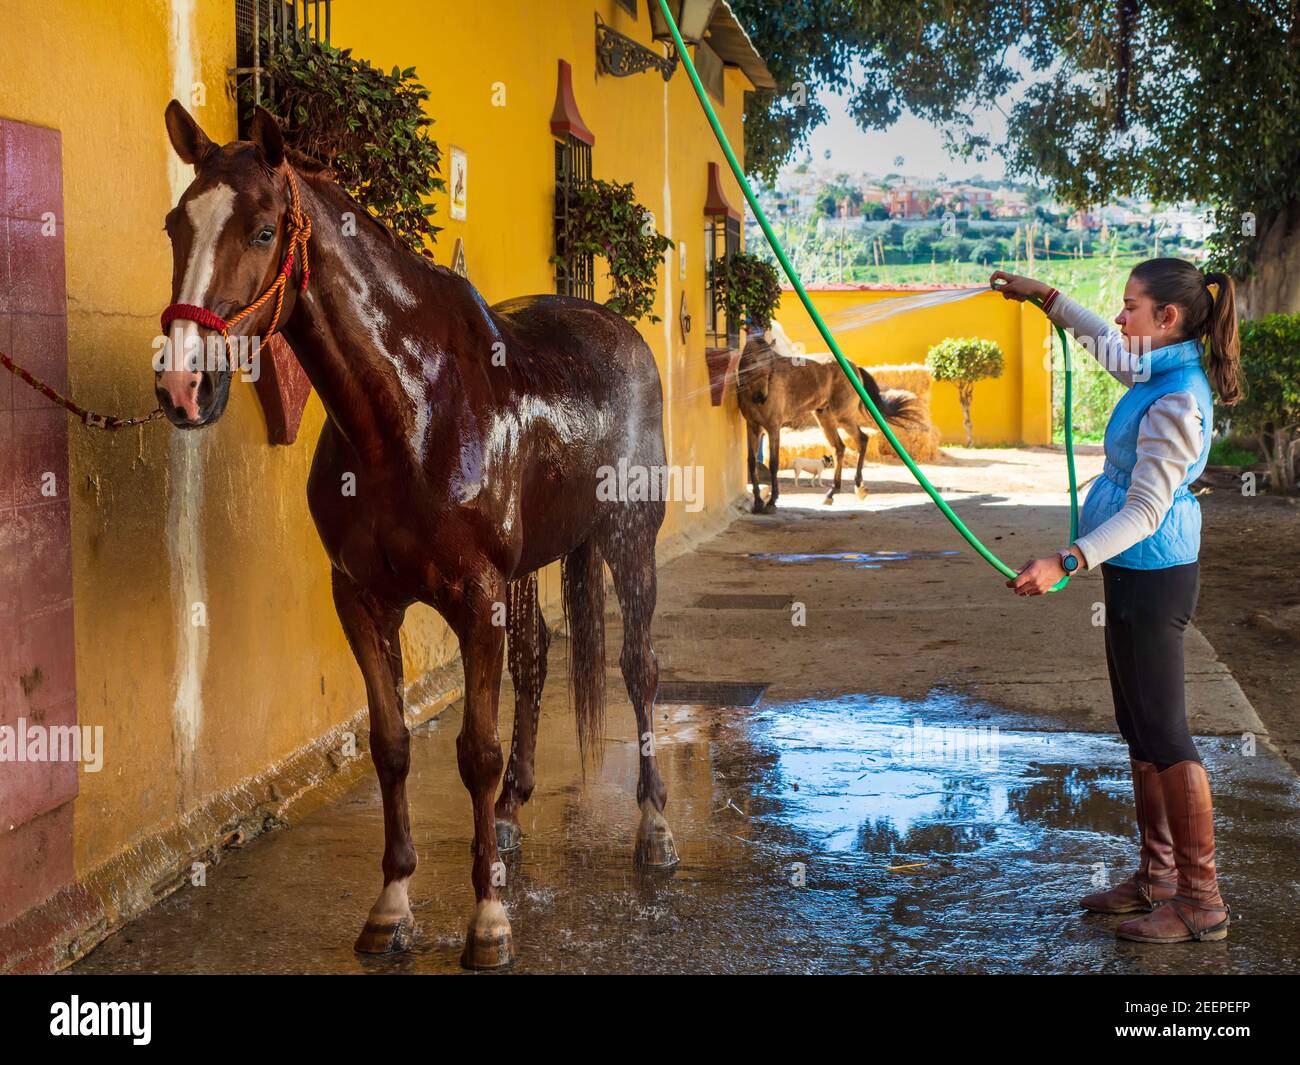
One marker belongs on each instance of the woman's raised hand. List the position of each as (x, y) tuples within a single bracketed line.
[(1018, 288)]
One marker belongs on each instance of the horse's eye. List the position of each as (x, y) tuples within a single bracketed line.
[(264, 236)]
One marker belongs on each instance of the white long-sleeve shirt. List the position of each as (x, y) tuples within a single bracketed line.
[(1169, 442)]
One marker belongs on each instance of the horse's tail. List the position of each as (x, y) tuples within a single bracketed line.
[(901, 409), (583, 578)]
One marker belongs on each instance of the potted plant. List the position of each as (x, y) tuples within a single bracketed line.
[(963, 361), (367, 125), (605, 219)]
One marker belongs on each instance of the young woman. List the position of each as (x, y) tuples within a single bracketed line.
[(1142, 526)]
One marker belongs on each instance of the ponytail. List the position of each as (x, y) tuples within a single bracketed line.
[(1209, 305), (1222, 339)]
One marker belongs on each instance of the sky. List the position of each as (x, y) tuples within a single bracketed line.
[(919, 143)]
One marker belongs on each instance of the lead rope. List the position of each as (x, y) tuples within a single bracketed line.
[(88, 417)]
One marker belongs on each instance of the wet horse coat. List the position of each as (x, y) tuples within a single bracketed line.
[(461, 453)]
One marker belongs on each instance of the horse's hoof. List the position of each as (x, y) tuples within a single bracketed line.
[(759, 507), (860, 491), (509, 837), (827, 500), (488, 943), (389, 925), (655, 846), (386, 935), (769, 507)]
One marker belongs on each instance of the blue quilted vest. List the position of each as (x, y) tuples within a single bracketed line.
[(1174, 368)]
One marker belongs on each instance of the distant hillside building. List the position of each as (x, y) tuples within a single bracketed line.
[(908, 202)]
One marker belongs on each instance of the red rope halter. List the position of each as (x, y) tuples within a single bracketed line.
[(299, 226)]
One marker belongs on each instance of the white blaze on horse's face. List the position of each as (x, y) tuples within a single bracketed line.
[(208, 213)]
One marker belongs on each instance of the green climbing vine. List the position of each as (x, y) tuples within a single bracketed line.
[(605, 219), (368, 126), (746, 287)]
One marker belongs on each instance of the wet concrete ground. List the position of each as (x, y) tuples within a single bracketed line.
[(928, 785)]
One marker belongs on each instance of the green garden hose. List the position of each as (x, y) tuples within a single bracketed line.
[(847, 366)]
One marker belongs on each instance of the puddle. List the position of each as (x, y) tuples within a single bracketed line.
[(857, 834), (881, 779), (860, 559)]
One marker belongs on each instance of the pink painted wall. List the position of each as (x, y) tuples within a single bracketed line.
[(37, 675)]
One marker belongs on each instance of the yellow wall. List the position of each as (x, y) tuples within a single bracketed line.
[(163, 520), (1013, 408)]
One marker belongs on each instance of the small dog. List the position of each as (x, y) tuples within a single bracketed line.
[(812, 467)]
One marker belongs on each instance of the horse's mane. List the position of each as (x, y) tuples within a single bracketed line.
[(322, 174), (309, 165)]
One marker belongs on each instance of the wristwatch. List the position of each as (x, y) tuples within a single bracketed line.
[(1068, 562)]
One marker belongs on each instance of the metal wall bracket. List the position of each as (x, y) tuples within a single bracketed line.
[(619, 55)]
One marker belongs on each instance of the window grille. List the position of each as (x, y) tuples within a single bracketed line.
[(721, 239), (262, 26), (574, 271)]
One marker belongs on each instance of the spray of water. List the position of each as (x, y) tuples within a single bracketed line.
[(870, 313)]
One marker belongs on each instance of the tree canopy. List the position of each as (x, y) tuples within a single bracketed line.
[(1171, 99)]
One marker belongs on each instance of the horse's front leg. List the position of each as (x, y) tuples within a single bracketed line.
[(373, 630), (751, 436), (773, 464), (488, 944)]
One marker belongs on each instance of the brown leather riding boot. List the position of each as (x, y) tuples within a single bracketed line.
[(1156, 877), (1197, 911)]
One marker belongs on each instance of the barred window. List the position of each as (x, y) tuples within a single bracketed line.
[(721, 238), (260, 27), (574, 272)]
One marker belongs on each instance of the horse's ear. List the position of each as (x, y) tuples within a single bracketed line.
[(189, 141), (267, 136)]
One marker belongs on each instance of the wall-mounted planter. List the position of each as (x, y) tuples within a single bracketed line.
[(722, 363)]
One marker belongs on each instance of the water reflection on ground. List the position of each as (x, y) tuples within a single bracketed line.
[(858, 834)]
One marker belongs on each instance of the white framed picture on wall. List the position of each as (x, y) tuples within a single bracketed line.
[(459, 163)]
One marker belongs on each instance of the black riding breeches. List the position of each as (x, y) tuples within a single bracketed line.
[(1147, 612)]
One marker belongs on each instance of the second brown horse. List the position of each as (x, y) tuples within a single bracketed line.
[(779, 385), (461, 453)]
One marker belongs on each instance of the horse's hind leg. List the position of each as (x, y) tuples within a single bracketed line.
[(527, 643), (629, 548), (827, 422), (859, 488), (374, 633)]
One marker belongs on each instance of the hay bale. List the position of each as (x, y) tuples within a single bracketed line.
[(911, 377)]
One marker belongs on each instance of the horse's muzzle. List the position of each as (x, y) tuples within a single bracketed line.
[(191, 400)]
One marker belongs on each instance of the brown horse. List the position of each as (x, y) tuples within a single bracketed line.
[(779, 386), (461, 452)]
